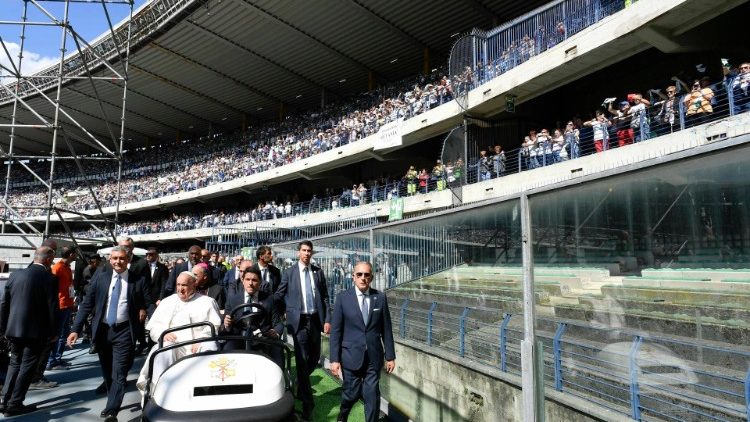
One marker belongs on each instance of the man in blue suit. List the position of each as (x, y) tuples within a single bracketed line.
[(118, 299), (361, 339), (305, 293)]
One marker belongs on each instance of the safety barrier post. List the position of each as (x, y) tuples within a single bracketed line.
[(557, 351), (429, 323), (730, 96), (402, 322), (504, 342), (462, 330), (635, 401), (682, 115), (747, 395)]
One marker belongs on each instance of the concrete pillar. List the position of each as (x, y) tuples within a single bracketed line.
[(426, 61), (370, 80), (281, 111), (322, 97), (178, 136), (243, 124)]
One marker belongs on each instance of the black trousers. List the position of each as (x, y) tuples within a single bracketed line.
[(306, 355), (24, 357), (116, 352), (362, 383)]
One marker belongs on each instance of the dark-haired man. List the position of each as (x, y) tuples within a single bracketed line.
[(305, 293), (66, 300)]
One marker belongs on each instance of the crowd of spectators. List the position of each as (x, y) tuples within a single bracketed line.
[(170, 169), (614, 124), (634, 118)]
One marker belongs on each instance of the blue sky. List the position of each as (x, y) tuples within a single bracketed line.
[(42, 45)]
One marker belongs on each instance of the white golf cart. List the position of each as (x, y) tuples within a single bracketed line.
[(226, 386)]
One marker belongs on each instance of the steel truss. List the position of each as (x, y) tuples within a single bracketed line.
[(109, 58)]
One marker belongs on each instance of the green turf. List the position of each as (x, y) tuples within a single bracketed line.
[(327, 392)]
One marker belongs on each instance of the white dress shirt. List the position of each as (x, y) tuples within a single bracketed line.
[(305, 307), (122, 304)]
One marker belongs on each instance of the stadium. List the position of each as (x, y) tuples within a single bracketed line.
[(550, 193)]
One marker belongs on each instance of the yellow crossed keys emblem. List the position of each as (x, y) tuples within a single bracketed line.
[(222, 368)]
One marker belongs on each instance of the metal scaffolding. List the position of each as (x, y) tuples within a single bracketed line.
[(103, 62)]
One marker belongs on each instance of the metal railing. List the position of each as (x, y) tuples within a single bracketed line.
[(642, 375)]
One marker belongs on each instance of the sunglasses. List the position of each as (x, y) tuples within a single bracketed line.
[(365, 275)]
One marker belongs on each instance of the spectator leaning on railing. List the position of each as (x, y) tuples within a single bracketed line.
[(741, 88)]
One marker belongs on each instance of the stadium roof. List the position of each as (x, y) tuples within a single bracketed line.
[(210, 65)]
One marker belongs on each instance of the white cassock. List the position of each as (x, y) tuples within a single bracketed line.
[(173, 312)]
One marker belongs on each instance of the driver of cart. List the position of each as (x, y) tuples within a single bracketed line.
[(265, 323), (185, 306)]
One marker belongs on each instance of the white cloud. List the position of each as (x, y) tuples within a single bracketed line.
[(32, 62)]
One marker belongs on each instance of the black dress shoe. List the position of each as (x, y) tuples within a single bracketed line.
[(108, 413), (19, 410), (101, 389), (92, 350), (110, 418)]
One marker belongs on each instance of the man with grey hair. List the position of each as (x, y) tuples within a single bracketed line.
[(118, 299), (27, 319), (185, 306), (140, 267)]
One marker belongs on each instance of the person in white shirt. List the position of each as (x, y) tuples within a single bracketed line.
[(186, 306)]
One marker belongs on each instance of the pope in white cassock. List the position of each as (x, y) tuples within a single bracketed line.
[(185, 306)]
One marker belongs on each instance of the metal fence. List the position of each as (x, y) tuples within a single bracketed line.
[(642, 375)]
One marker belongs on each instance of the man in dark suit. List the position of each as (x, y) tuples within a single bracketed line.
[(233, 273), (140, 267), (27, 319), (214, 272), (194, 257), (305, 293), (269, 323), (270, 276), (206, 286), (159, 274), (361, 338), (233, 284), (118, 299)]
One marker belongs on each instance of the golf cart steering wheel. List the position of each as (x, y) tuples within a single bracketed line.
[(245, 321)]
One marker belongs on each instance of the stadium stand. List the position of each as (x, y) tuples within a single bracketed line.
[(638, 224)]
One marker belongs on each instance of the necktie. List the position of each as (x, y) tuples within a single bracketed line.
[(364, 308), (114, 301), (264, 273), (308, 292)]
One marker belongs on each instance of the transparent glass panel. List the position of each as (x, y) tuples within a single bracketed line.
[(643, 289), (447, 287)]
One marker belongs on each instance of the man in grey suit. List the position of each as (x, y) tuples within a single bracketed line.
[(118, 299), (305, 293), (27, 319), (361, 338)]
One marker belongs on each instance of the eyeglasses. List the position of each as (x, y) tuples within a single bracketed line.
[(365, 275), (744, 67)]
